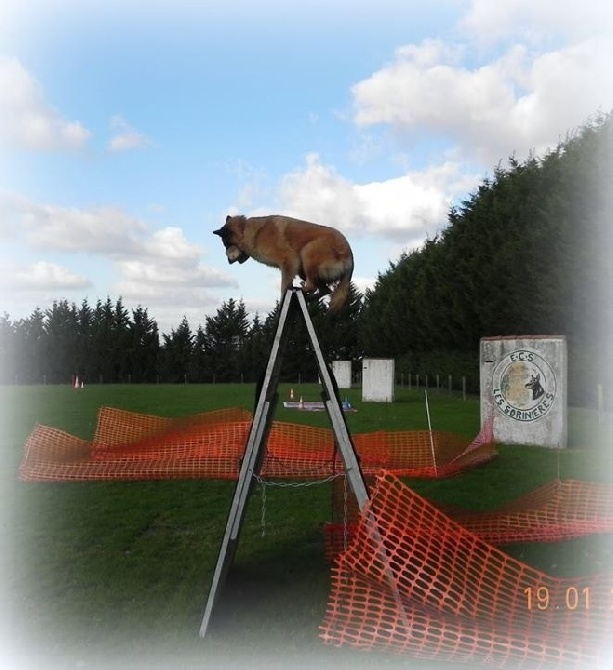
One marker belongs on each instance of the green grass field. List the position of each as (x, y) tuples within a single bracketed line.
[(101, 575)]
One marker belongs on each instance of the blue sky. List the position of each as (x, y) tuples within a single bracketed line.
[(129, 130)]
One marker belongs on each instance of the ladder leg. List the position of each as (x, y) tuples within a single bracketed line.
[(252, 460), (335, 412)]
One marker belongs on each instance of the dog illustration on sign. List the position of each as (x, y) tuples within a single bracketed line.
[(535, 385)]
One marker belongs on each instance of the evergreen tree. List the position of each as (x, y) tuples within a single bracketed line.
[(85, 353), (338, 332), (199, 368), (60, 341), (30, 336), (122, 339), (102, 342), (176, 354), (255, 350), (225, 335), (144, 346)]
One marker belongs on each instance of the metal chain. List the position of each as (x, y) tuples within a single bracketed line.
[(297, 485), (288, 485)]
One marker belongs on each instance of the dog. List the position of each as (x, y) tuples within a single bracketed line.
[(319, 255)]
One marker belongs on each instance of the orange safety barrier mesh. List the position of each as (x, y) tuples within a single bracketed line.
[(137, 446), (414, 581), (559, 510), (129, 446), (118, 427), (427, 454)]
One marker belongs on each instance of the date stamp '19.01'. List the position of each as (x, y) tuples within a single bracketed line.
[(571, 599)]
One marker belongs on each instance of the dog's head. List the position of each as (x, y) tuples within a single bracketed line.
[(231, 235)]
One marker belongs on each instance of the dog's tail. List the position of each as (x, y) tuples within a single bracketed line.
[(341, 292)]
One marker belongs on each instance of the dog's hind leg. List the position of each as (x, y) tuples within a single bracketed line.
[(310, 279), (309, 286)]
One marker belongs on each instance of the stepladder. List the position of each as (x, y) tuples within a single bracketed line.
[(293, 305)]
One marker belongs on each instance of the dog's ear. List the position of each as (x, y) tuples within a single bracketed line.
[(228, 217)]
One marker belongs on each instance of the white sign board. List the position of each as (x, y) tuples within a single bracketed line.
[(342, 373), (523, 387), (378, 380)]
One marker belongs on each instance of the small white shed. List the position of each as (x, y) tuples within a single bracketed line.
[(342, 373), (378, 380)]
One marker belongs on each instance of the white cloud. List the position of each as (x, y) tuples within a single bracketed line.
[(414, 205), (125, 137), (516, 103), (318, 193), (171, 243), (536, 21), (166, 273), (159, 275), (42, 276), (27, 120), (100, 230), (405, 209)]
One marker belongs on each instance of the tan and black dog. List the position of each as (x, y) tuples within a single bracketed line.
[(319, 255)]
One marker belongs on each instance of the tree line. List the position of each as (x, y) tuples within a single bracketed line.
[(524, 254), (108, 343)]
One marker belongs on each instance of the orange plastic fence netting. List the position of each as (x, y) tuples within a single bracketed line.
[(414, 581), (559, 510), (129, 446)]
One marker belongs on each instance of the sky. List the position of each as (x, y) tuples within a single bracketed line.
[(129, 130)]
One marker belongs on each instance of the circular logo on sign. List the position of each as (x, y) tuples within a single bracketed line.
[(524, 385)]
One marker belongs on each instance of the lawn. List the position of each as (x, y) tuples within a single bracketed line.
[(101, 575)]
